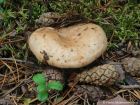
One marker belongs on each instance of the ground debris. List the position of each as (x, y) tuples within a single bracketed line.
[(132, 65), (116, 101), (6, 101), (57, 19), (93, 93), (136, 53)]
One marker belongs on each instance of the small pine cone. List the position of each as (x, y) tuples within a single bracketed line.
[(52, 74), (48, 18), (101, 75), (132, 66), (93, 93)]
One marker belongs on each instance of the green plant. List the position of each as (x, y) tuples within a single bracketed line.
[(2, 1), (43, 89)]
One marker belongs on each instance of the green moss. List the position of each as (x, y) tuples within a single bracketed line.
[(119, 21)]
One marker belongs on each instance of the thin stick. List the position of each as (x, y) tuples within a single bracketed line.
[(17, 69), (129, 86), (17, 60), (15, 87), (9, 69), (4, 78), (12, 41)]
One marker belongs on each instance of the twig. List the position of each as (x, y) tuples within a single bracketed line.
[(17, 69), (4, 78), (17, 60), (70, 89), (9, 69), (67, 93), (14, 101), (8, 92), (123, 56), (12, 41), (129, 86), (65, 102)]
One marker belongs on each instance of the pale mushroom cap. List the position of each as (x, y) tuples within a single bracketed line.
[(72, 47)]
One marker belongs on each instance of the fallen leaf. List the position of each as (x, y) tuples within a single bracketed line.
[(27, 101)]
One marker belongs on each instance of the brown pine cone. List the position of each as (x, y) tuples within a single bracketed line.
[(101, 75), (48, 18), (52, 74), (132, 66), (93, 93)]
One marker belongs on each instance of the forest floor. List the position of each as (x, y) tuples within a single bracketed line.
[(120, 20)]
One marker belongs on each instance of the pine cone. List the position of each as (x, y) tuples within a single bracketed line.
[(132, 66), (52, 74), (93, 93), (48, 18), (101, 75)]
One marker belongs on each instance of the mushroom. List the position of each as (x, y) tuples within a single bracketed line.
[(70, 47)]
